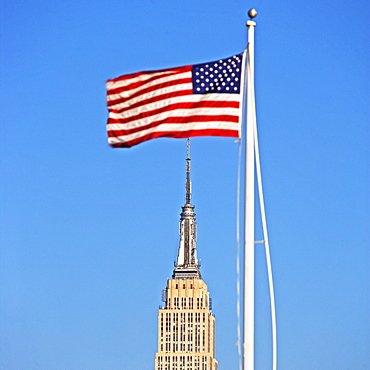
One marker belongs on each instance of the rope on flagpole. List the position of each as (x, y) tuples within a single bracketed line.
[(267, 248), (238, 321)]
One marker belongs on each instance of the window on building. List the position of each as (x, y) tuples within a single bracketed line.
[(189, 363), (182, 363), (160, 363), (196, 363), (174, 363), (167, 363), (204, 363)]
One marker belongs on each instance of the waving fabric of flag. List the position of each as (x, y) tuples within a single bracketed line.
[(199, 100)]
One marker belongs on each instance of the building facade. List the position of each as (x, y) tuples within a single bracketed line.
[(186, 325)]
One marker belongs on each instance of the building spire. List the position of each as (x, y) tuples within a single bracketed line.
[(187, 265)]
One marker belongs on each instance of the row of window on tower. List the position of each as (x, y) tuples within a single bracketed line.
[(185, 363), (184, 317), (187, 303), (184, 286)]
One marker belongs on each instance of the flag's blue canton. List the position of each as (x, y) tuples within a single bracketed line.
[(221, 76)]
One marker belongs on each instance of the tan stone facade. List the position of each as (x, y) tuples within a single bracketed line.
[(186, 328)]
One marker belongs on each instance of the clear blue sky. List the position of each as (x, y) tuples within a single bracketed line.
[(89, 233)]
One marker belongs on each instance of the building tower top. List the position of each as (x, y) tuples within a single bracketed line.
[(187, 265)]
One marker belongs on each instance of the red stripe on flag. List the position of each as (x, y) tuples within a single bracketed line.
[(134, 75), (177, 135), (174, 120)]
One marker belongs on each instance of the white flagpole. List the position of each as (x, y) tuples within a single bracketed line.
[(248, 317)]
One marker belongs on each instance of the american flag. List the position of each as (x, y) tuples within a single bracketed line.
[(195, 100)]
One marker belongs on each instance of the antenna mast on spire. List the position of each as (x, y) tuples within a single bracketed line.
[(188, 181)]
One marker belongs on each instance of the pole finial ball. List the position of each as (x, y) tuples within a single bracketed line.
[(252, 13)]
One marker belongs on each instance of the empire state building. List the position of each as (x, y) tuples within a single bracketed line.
[(186, 325)]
